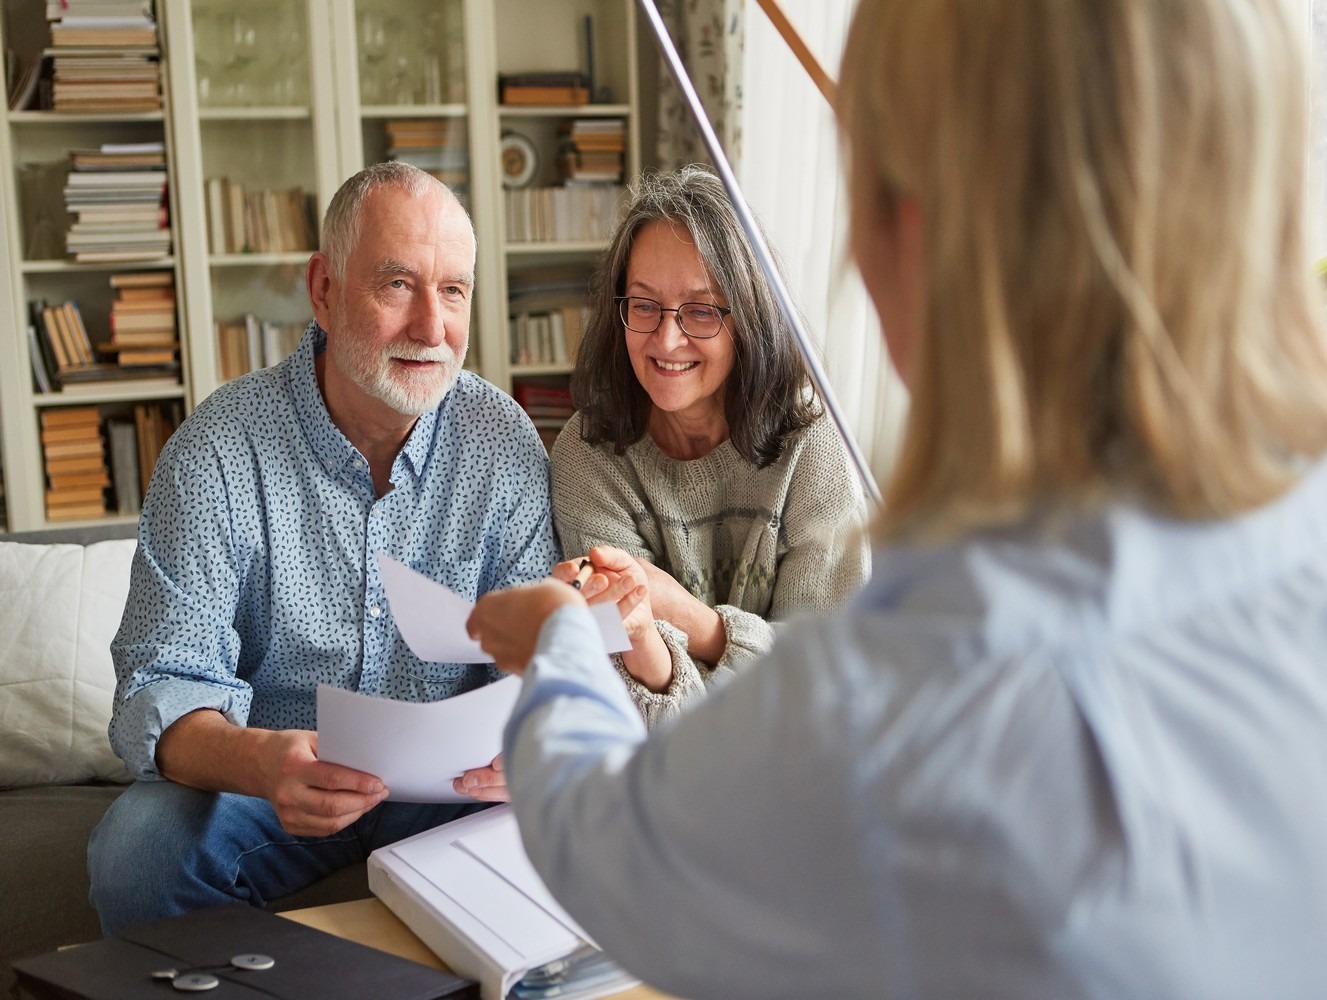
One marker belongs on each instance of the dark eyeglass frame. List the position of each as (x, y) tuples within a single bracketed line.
[(622, 311)]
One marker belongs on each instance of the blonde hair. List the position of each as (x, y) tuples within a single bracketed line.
[(1118, 295)]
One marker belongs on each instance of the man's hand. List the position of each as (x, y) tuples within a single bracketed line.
[(311, 797), (487, 784)]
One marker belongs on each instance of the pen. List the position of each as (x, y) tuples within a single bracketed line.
[(583, 573)]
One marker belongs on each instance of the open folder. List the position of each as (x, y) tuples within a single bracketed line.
[(468, 891)]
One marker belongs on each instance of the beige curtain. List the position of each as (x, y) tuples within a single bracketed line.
[(1318, 15), (791, 176), (709, 37)]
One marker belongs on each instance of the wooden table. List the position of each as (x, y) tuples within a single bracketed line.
[(368, 921)]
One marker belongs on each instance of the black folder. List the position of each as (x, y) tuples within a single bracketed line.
[(308, 964)]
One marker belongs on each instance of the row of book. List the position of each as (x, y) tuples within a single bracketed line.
[(251, 343), (75, 443), (240, 221), (571, 213), (594, 149), (546, 338), (104, 57), (438, 147), (116, 195)]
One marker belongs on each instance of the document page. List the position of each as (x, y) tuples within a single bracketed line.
[(415, 748)]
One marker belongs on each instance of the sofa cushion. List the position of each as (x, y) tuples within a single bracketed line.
[(60, 606)]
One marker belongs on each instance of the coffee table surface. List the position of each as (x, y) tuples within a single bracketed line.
[(368, 921)]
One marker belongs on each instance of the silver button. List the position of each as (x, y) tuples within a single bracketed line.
[(254, 963), (195, 982)]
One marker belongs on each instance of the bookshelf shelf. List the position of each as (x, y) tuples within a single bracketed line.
[(101, 393), (254, 114), (565, 111), (532, 247), (70, 118), (517, 371), (414, 111), (240, 260)]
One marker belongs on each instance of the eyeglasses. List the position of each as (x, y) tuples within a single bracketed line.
[(698, 320)]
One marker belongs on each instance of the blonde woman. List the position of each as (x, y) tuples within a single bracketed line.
[(1071, 739)]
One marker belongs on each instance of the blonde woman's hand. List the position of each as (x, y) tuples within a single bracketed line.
[(506, 623)]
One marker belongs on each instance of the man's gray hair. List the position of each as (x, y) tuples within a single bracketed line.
[(341, 223)]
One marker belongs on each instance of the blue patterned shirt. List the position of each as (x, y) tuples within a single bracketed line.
[(255, 578)]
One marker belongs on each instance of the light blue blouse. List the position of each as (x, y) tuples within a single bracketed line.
[(255, 578), (1085, 758)]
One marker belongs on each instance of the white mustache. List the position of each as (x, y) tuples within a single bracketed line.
[(441, 354)]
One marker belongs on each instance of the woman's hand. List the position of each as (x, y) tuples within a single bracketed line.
[(622, 579), (506, 623)]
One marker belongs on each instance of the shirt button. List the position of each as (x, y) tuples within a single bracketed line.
[(359, 466), (375, 612)]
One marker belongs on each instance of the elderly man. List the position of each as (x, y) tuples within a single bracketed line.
[(255, 578)]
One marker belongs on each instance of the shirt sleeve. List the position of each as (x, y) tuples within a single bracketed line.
[(176, 649), (527, 548), (610, 820)]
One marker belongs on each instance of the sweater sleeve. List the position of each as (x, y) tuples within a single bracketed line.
[(828, 554)]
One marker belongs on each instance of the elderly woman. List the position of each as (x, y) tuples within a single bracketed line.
[(698, 465), (1071, 739)]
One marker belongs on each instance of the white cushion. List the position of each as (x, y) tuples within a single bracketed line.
[(60, 606)]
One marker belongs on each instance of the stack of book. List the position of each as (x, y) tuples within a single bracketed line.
[(576, 213), (548, 404), (252, 343), (240, 221), (113, 214), (546, 314), (75, 454), (143, 333), (553, 88), (594, 150), (104, 56), (119, 209), (440, 147)]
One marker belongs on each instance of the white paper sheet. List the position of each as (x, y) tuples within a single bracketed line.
[(431, 618), (415, 748)]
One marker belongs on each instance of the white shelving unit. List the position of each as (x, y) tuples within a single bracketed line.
[(297, 94)]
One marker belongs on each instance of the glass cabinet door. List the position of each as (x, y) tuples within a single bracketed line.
[(260, 168)]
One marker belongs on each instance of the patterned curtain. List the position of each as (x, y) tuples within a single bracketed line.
[(709, 36)]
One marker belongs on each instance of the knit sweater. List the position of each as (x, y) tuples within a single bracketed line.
[(757, 545)]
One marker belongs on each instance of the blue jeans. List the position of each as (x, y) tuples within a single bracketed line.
[(163, 849)]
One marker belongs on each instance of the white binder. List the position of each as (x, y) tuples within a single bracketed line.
[(468, 891)]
